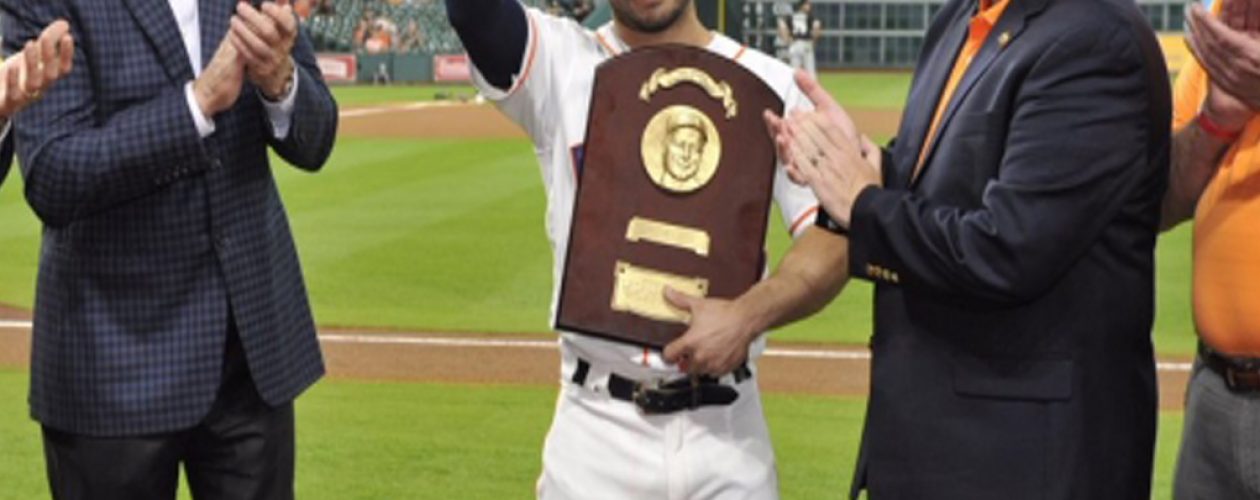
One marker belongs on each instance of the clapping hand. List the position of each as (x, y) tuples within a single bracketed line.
[(264, 37), (823, 150), (1228, 48), (25, 76)]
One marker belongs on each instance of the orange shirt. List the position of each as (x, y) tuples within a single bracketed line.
[(981, 25), (1226, 232)]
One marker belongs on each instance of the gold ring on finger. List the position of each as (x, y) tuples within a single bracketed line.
[(34, 96)]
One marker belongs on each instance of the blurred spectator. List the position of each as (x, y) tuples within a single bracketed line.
[(382, 36), (361, 33), (325, 8), (412, 39)]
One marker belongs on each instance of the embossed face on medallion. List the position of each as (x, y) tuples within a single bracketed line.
[(684, 146), (681, 149)]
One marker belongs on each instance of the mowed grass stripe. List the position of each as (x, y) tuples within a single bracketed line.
[(447, 233), (885, 90)]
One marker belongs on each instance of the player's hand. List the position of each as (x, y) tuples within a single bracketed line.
[(220, 83), (716, 342), (265, 38), (26, 75), (1229, 49)]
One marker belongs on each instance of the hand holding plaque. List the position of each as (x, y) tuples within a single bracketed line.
[(674, 192)]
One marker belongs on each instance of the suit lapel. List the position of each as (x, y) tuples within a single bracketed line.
[(1008, 27), (926, 93), (157, 21), (214, 17)]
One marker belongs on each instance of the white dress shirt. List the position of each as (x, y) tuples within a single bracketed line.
[(280, 113)]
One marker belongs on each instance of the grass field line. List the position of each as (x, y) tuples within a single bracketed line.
[(395, 108), (445, 341)]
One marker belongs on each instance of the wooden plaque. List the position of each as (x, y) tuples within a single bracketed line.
[(675, 189)]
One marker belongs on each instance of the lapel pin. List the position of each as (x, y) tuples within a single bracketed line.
[(1004, 39)]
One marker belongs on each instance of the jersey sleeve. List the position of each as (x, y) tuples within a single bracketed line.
[(797, 203), (535, 89)]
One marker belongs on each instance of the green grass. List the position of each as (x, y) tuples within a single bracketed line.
[(859, 90), (359, 440), (868, 90), (448, 235)]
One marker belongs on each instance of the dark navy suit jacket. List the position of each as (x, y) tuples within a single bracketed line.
[(6, 157), (1014, 297), (154, 239)]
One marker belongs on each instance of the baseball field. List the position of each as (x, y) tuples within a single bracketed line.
[(429, 272)]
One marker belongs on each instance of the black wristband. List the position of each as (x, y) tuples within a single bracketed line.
[(825, 221)]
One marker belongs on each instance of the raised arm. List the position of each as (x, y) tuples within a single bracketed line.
[(1221, 47), (1197, 152), (495, 33)]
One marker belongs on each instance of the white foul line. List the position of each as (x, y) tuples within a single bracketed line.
[(399, 339), (415, 106)]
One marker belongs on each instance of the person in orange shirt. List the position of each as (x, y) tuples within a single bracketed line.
[(1214, 179)]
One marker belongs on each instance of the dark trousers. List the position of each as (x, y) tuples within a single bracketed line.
[(244, 449)]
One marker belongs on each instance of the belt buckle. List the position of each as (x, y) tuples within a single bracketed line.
[(644, 396), (1234, 383), (654, 396)]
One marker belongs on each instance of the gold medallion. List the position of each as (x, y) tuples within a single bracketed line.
[(681, 149)]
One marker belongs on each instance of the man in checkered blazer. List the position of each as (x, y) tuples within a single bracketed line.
[(171, 319)]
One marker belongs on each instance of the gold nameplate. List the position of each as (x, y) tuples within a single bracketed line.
[(671, 235), (681, 149), (641, 291)]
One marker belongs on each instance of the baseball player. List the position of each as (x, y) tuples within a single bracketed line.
[(801, 30), (539, 70)]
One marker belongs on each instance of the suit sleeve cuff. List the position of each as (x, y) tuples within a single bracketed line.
[(280, 113), (868, 259), (205, 126)]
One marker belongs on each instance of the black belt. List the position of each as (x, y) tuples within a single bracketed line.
[(1240, 374), (655, 398)]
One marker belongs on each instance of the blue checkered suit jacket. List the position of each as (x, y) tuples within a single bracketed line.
[(153, 236)]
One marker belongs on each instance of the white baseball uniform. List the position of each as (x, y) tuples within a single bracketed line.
[(600, 447)]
